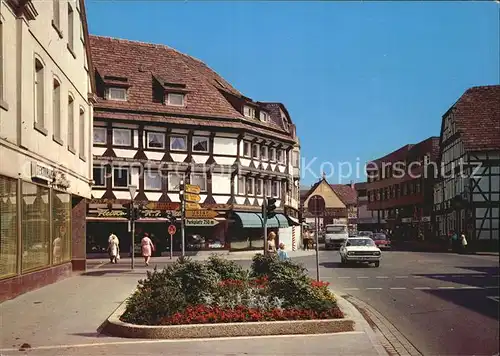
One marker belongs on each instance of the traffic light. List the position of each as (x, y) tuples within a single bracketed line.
[(271, 207)]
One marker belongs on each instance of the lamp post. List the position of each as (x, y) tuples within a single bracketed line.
[(183, 210), (132, 189)]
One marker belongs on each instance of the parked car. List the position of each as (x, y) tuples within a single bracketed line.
[(381, 240), (360, 249), (335, 235), (365, 233)]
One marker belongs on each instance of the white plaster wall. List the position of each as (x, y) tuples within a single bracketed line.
[(200, 158), (154, 155), (285, 236), (23, 41), (124, 153), (178, 157), (98, 151), (224, 160), (221, 183)]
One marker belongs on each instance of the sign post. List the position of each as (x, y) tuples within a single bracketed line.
[(316, 206), (171, 231), (190, 196)]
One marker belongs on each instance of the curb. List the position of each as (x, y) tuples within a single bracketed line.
[(113, 326)]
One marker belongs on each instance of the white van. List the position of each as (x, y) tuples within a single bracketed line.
[(335, 235)]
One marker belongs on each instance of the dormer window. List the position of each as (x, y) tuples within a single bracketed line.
[(264, 116), (248, 111), (174, 99), (116, 94)]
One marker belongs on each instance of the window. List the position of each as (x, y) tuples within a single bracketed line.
[(259, 187), (199, 179), (280, 156), (39, 95), (246, 149), (71, 29), (122, 137), (295, 159), (35, 223), (121, 177), (264, 153), (276, 189), (268, 188), (98, 174), (255, 151), (174, 181), (178, 143), (264, 116), (250, 185), (56, 109), (8, 226), (241, 185), (100, 135), (152, 180), (61, 227), (249, 112), (200, 144), (82, 132), (116, 94), (56, 17), (71, 123), (175, 99), (273, 154), (156, 140)]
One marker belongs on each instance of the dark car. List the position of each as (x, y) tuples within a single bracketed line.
[(381, 240)]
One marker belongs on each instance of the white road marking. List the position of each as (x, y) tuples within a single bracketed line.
[(363, 277), (491, 287), (478, 276), (398, 288), (344, 277), (457, 276), (438, 276), (373, 288), (496, 299), (169, 341), (382, 277), (469, 287), (401, 277), (446, 287), (422, 288), (351, 288)]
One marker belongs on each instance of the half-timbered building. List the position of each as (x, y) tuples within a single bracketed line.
[(467, 196), (163, 117)]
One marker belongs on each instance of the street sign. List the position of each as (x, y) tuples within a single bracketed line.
[(194, 198), (201, 214), (193, 189), (192, 206), (162, 206), (172, 229), (201, 222), (316, 205)]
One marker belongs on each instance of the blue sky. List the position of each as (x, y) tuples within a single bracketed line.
[(360, 79)]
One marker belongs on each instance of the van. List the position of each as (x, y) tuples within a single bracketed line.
[(335, 235)]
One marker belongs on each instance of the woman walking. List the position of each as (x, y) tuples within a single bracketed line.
[(113, 248), (147, 248)]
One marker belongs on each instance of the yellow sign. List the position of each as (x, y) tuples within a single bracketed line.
[(193, 206), (193, 189), (201, 214), (194, 198)]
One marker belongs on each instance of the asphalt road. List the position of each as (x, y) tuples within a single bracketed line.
[(445, 304)]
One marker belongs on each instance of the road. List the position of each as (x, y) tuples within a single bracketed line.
[(445, 304)]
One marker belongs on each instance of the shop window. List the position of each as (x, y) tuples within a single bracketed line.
[(200, 144), (8, 227), (35, 222), (178, 143), (122, 137), (152, 180), (241, 185), (61, 225), (199, 179), (156, 140), (100, 135), (174, 181), (246, 149), (99, 176), (280, 156), (121, 177)]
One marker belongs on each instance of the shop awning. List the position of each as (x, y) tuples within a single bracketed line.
[(282, 220), (273, 222), (249, 220), (294, 221)]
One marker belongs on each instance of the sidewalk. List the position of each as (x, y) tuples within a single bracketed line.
[(64, 318)]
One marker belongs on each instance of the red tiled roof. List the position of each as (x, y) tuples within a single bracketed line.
[(477, 118), (143, 63), (346, 193)]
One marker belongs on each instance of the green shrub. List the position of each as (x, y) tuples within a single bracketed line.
[(226, 269), (261, 264)]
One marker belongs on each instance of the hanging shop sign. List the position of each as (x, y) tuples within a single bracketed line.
[(201, 214), (50, 175)]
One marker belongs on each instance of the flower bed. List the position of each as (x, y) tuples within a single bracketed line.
[(220, 291)]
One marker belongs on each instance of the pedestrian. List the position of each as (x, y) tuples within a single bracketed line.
[(147, 248), (113, 248), (454, 241), (463, 241), (305, 240), (271, 244), (282, 254)]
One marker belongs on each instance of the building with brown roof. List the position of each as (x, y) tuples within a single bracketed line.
[(163, 117), (400, 189), (467, 194)]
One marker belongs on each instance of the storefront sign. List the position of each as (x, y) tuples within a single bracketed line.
[(201, 214), (162, 206), (193, 189), (108, 213), (41, 171), (217, 206), (201, 222), (152, 213), (426, 219), (194, 198)]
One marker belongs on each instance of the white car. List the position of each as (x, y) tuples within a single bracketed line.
[(360, 249)]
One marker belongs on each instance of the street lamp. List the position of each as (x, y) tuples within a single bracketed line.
[(183, 212), (132, 190)]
